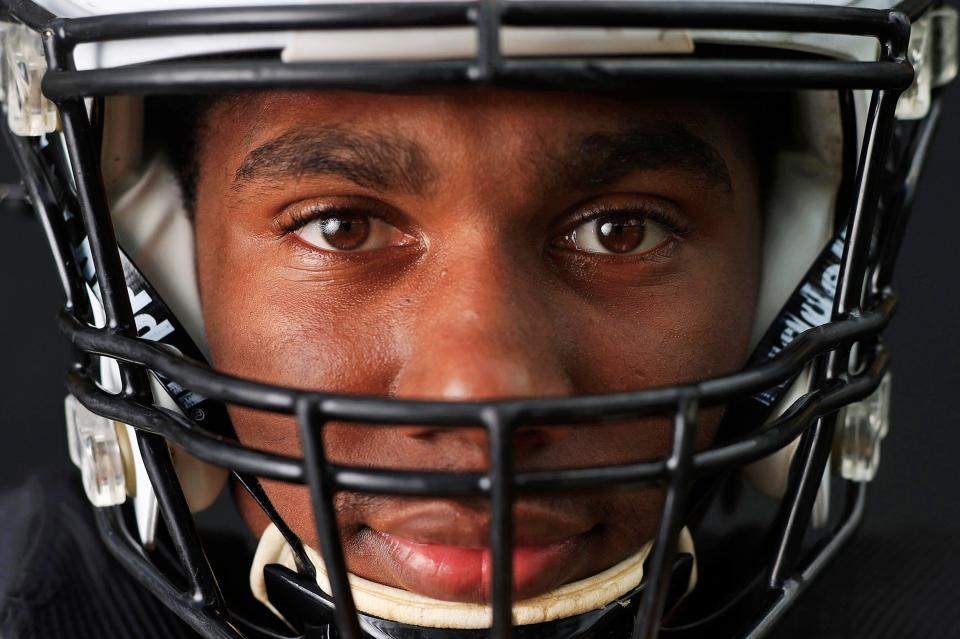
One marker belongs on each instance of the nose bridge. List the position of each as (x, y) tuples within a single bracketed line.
[(480, 332)]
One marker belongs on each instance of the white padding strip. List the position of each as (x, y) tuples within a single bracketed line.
[(457, 43)]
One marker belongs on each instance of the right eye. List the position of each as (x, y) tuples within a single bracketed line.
[(617, 234), (345, 232)]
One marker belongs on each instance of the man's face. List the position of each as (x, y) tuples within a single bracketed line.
[(476, 244)]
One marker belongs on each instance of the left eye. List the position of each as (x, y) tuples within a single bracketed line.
[(349, 232), (618, 235)]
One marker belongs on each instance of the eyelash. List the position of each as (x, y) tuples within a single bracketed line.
[(297, 218), (676, 226)]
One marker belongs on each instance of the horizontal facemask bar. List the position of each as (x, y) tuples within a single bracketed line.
[(500, 484), (778, 369), (491, 61), (222, 452), (652, 75), (662, 15)]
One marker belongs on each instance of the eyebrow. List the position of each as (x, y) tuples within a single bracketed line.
[(382, 162), (393, 163), (602, 158)]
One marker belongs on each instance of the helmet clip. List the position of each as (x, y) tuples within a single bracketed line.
[(863, 426), (95, 449), (22, 66)]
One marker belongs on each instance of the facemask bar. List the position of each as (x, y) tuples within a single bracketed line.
[(63, 82), (816, 443), (857, 320)]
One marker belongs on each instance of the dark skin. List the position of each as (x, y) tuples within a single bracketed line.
[(466, 245)]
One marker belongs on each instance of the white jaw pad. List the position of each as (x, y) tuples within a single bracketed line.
[(799, 223), (406, 607), (800, 207), (155, 231)]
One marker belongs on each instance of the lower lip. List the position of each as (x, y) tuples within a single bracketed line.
[(455, 573)]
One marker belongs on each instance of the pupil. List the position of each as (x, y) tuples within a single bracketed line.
[(621, 235), (346, 233)]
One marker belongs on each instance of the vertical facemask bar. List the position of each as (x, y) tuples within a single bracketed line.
[(322, 491), (679, 465), (901, 201), (816, 443), (857, 251), (500, 436), (99, 227), (488, 40), (254, 488), (156, 460), (113, 530), (48, 212)]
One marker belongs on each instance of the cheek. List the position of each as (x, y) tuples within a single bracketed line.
[(696, 325), (265, 325)]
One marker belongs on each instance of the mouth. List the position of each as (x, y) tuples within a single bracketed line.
[(459, 567)]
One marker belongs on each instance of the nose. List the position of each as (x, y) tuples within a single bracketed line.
[(483, 331)]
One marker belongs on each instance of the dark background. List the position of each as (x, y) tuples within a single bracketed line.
[(901, 575)]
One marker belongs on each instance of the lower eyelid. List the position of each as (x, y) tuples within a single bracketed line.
[(380, 231), (662, 251), (668, 230)]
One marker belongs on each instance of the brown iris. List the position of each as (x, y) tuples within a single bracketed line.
[(620, 235), (346, 232)]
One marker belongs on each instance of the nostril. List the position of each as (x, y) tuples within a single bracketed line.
[(435, 433), (529, 439), (424, 433), (524, 437)]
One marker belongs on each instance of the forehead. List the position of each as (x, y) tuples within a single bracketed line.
[(508, 118)]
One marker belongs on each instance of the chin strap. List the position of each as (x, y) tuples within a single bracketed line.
[(401, 606)]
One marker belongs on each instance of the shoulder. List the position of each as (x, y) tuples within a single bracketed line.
[(25, 532), (56, 577)]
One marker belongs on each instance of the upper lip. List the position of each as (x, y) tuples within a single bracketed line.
[(454, 524)]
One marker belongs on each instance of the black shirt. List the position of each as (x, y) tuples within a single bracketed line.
[(57, 580)]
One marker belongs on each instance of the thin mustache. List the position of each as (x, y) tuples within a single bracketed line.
[(353, 506)]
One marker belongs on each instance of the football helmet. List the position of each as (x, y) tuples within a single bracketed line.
[(803, 420)]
